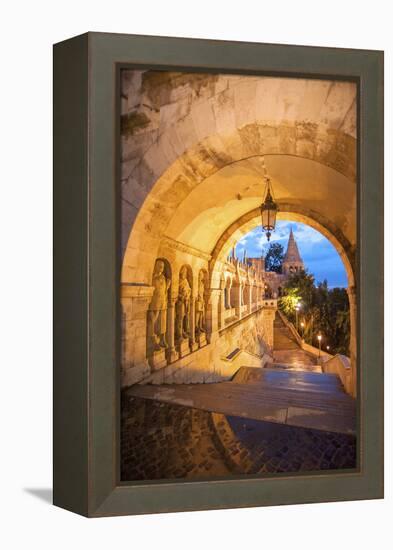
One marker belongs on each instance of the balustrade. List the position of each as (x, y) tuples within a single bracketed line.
[(182, 317)]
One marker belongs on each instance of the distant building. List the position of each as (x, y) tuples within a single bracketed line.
[(292, 263), (292, 260)]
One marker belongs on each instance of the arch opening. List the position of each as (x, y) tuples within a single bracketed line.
[(191, 203), (249, 222)]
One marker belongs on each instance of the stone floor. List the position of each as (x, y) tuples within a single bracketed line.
[(161, 441), (165, 441), (279, 448)]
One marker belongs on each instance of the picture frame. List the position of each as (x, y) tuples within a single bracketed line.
[(86, 383)]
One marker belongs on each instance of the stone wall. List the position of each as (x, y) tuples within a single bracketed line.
[(246, 342), (340, 365)]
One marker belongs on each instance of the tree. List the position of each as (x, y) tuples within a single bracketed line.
[(322, 310), (289, 301), (274, 257), (304, 282)]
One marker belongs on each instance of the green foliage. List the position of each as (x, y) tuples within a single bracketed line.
[(289, 301), (323, 310), (274, 257)]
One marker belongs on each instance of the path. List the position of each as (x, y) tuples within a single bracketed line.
[(286, 351)]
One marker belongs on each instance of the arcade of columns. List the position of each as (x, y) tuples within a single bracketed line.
[(184, 319), (179, 315)]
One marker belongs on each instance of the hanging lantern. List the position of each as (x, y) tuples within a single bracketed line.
[(268, 211)]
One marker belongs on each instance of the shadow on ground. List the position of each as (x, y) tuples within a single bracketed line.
[(44, 494)]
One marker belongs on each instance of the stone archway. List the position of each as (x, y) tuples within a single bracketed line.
[(197, 215), (292, 212), (193, 129), (201, 228), (192, 173)]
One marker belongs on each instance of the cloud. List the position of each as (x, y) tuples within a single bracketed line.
[(319, 255), (244, 240)]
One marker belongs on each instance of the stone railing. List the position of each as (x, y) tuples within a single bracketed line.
[(333, 364), (229, 314), (201, 356), (229, 349), (230, 317), (292, 329), (324, 355), (269, 302), (240, 358), (340, 365)]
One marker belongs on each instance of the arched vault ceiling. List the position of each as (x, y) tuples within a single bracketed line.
[(186, 139), (222, 198), (165, 114)]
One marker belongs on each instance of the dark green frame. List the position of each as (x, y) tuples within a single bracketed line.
[(86, 373)]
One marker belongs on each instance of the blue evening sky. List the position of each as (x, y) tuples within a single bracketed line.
[(318, 254)]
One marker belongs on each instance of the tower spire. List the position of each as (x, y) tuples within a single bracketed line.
[(292, 260)]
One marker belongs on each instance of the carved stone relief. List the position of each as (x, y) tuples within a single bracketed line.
[(200, 305), (157, 315), (183, 306)]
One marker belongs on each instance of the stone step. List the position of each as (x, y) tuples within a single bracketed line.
[(285, 346), (284, 339), (284, 331), (304, 399), (294, 356), (297, 367), (272, 378)]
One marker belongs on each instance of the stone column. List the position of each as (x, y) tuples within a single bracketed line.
[(193, 343), (249, 297), (268, 316), (222, 310), (212, 315), (172, 354), (229, 300), (237, 301), (351, 291)]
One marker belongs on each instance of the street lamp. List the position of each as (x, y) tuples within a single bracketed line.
[(297, 307), (269, 208), (302, 325), (319, 342)]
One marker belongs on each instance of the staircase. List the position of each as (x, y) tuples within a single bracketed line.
[(282, 337), (303, 399), (287, 353), (293, 391)]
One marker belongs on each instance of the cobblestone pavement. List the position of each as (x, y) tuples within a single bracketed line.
[(277, 448), (161, 441), (166, 441)]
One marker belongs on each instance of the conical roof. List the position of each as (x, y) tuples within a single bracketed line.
[(292, 254)]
